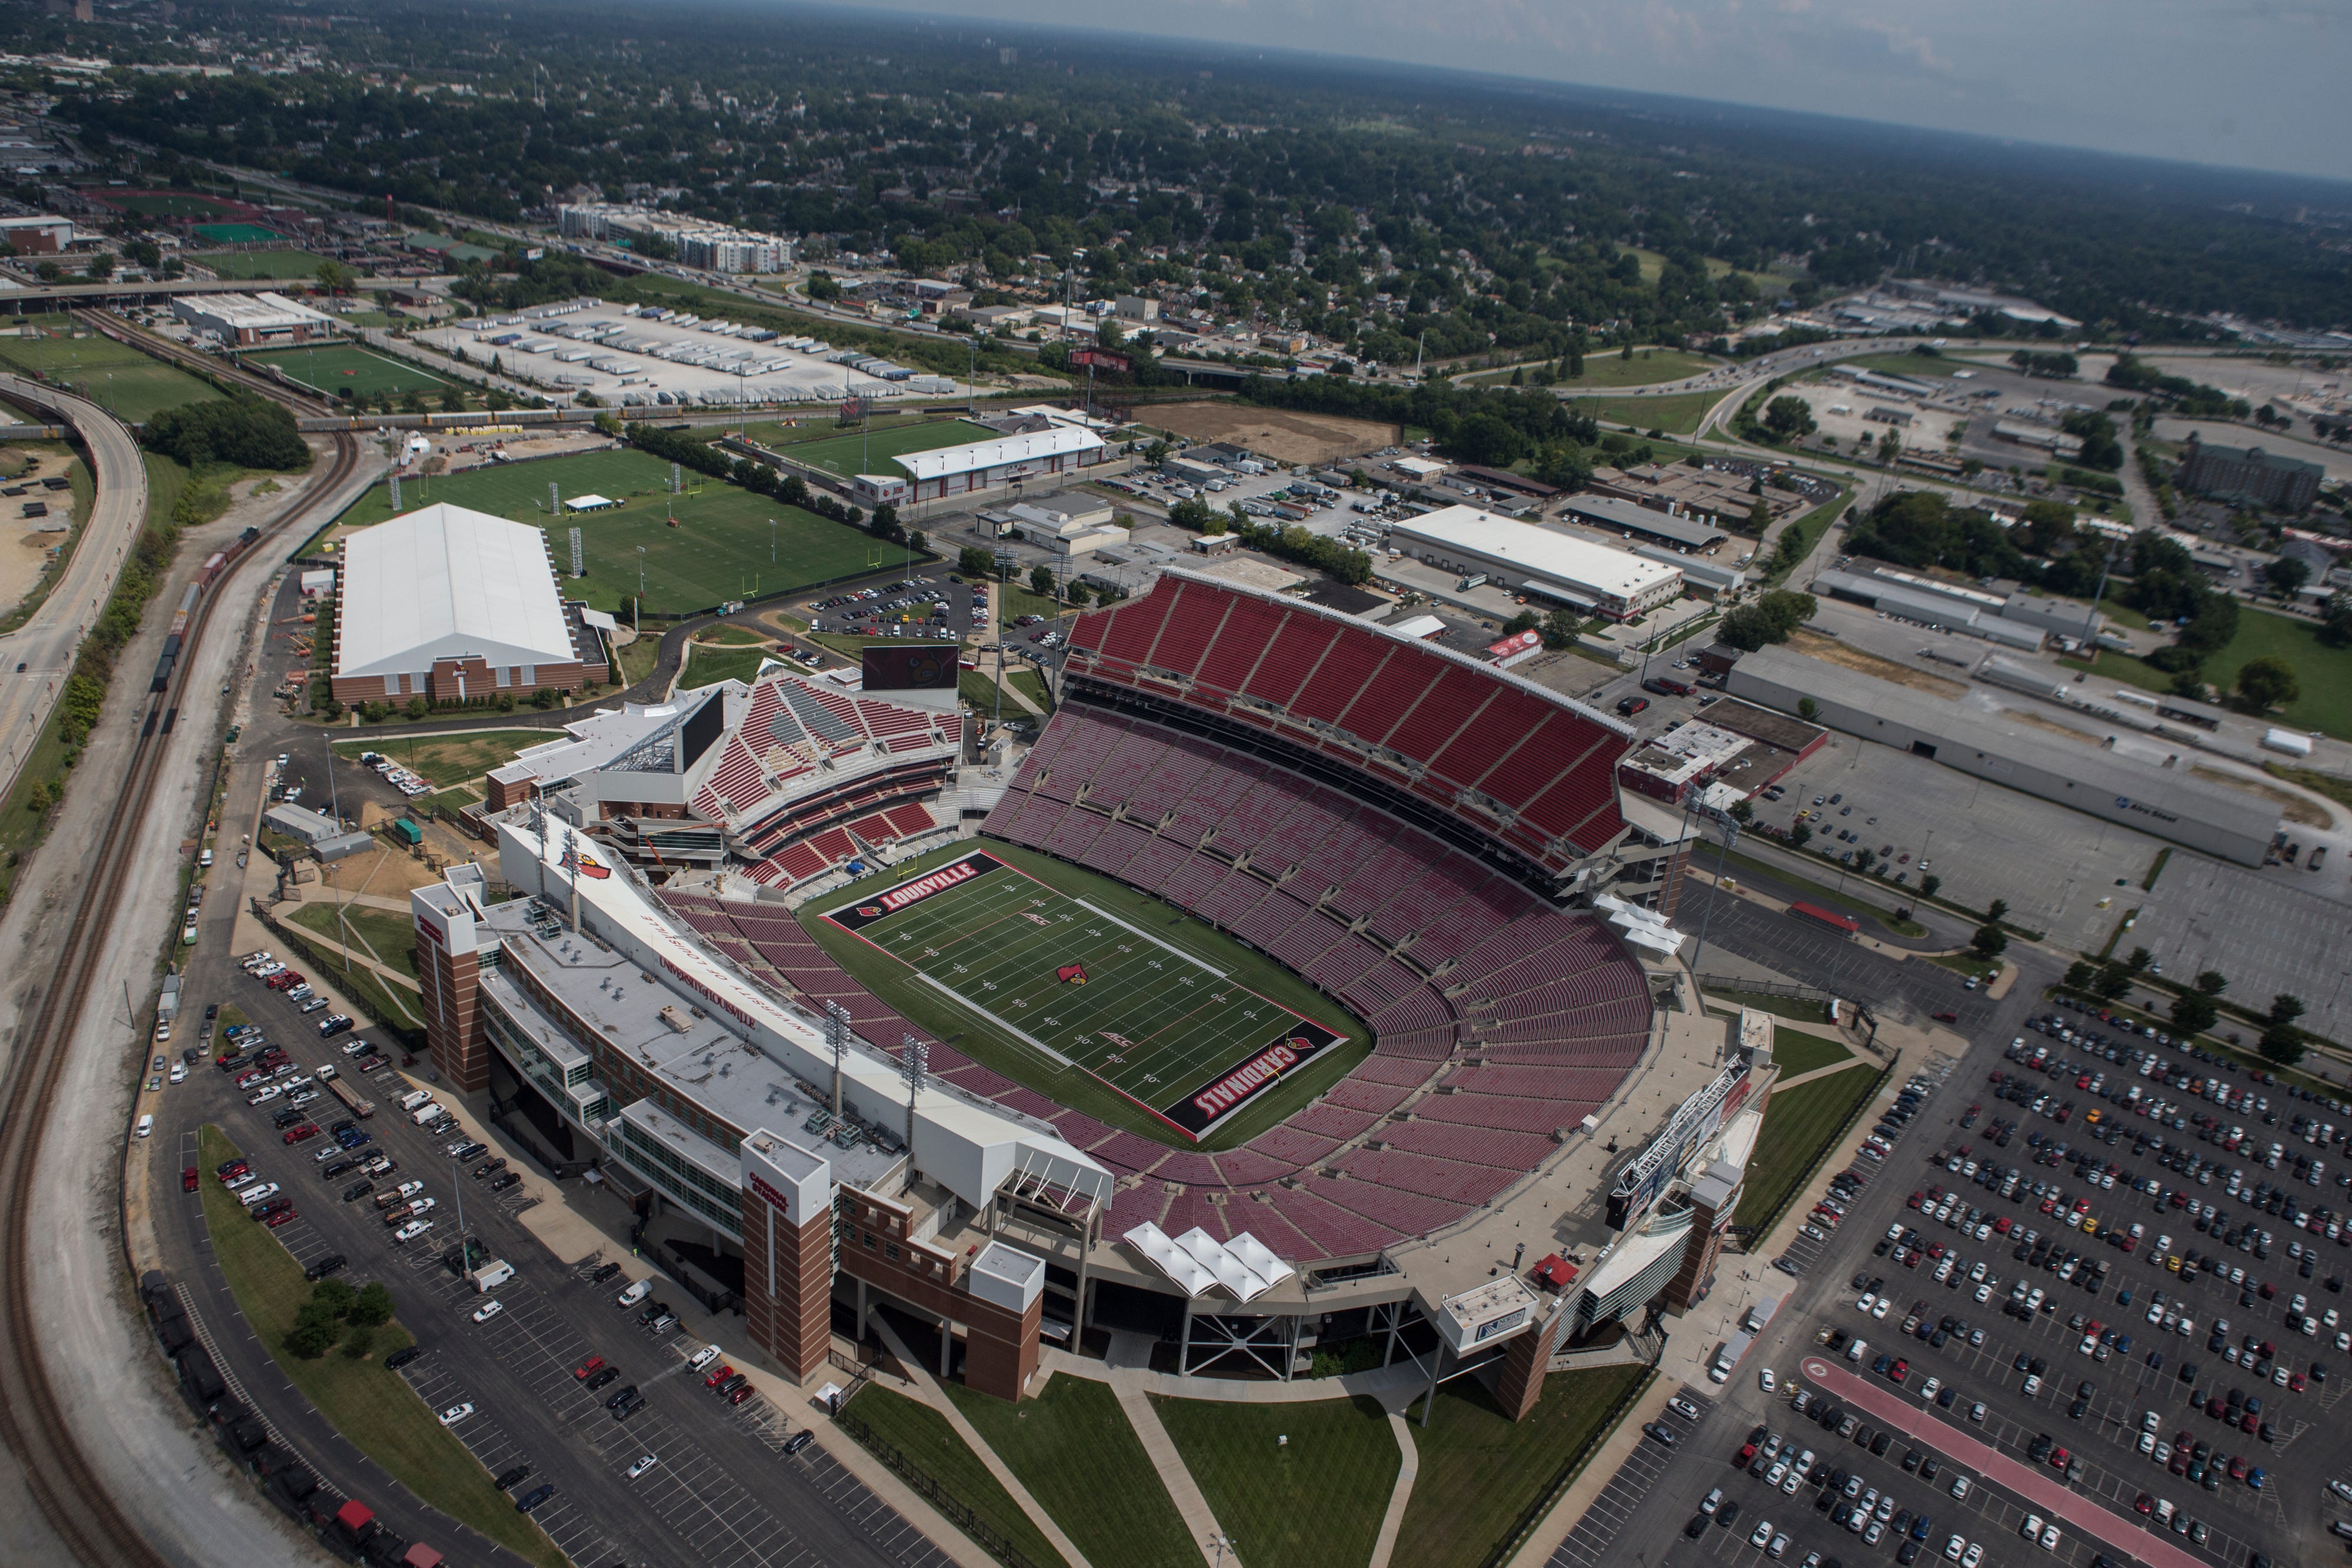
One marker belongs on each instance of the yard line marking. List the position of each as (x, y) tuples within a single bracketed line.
[(1147, 937)]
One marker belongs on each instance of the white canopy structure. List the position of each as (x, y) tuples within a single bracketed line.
[(1245, 1268)]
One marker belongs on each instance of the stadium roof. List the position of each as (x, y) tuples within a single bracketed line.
[(1060, 442), (447, 582)]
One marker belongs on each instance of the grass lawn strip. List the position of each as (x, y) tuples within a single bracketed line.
[(332, 370), (381, 1003), (870, 452), (923, 1439), (1677, 413), (1315, 1501), (1073, 1448), (1798, 1125), (1481, 1472), (1795, 1051), (1803, 1009), (375, 1410), (2324, 674), (114, 375), (899, 986), (1819, 892), (451, 759), (287, 264), (392, 938), (707, 666), (722, 547)]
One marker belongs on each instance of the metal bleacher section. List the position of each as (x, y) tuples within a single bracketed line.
[(1498, 765)]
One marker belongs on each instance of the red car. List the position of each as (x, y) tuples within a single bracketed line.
[(188, 1179), (278, 1218), (302, 1133), (589, 1368), (231, 1171), (1746, 1452), (2060, 1458), (719, 1374), (741, 1394), (1898, 1371)]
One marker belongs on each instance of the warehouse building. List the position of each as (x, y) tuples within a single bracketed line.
[(1924, 608), (2164, 802), (1543, 563), (1638, 521), (252, 321), (985, 464), (447, 604)]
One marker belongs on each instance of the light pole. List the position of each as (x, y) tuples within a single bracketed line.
[(641, 572), (343, 923)]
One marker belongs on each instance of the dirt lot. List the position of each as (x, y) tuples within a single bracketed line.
[(1836, 653), (1280, 433)]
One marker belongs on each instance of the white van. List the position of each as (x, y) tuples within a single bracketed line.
[(146, 1126), (425, 1112), (637, 1292), (491, 1275), (413, 1098)]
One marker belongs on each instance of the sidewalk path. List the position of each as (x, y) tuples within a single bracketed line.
[(1182, 1489), (1850, 1061), (1384, 1546), (929, 1391)]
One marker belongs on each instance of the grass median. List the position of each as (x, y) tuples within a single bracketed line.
[(1302, 1484), (1798, 1125), (922, 1438), (375, 1410), (1074, 1449), (1481, 1472)]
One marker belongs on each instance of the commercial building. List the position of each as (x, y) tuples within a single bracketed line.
[(1923, 607), (712, 247), (1067, 532), (252, 320), (985, 464), (2249, 475), (1541, 562), (447, 604), (41, 234), (1642, 522), (2163, 801), (625, 1040)]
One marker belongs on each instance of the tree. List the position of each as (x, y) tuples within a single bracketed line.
[(1788, 417), (972, 561), (2282, 1043), (335, 278), (1990, 941), (2286, 575), (337, 1295), (1996, 909), (316, 1329), (1760, 516), (2139, 960), (2336, 619), (2285, 1008), (1742, 812), (1040, 580), (2267, 683), (100, 268), (1865, 858), (1801, 835), (496, 400), (1930, 885), (2113, 980), (453, 400), (1770, 619), (2213, 982), (248, 431), (2194, 1011), (2081, 974), (418, 707), (1807, 709), (372, 1308), (357, 1342)]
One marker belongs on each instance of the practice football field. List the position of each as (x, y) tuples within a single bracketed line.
[(336, 366), (845, 453), (1166, 1030)]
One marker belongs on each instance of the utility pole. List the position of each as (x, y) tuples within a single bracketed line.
[(342, 923), (915, 1066)]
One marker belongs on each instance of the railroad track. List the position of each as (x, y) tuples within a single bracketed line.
[(32, 1419), (159, 347)]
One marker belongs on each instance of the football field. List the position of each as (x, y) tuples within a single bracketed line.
[(332, 368), (1083, 988), (855, 452)]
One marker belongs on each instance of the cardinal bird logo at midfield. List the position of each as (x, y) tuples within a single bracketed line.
[(1071, 974)]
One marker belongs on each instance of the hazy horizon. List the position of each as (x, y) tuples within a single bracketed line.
[(2255, 88)]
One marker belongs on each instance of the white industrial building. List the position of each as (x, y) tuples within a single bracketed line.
[(447, 604), (985, 464), (252, 320), (1543, 563)]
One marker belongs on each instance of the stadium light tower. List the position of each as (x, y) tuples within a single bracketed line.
[(837, 1036), (915, 1066)]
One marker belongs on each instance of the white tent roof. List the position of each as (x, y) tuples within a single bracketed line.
[(445, 582), (1059, 442), (1244, 1267), (1171, 1260)]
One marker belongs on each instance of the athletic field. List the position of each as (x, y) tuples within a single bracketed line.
[(721, 548), (238, 234), (112, 374), (1165, 1028), (334, 367), (845, 453)]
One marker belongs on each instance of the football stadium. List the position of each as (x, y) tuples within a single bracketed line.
[(1304, 982)]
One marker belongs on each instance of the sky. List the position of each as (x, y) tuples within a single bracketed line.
[(2255, 84)]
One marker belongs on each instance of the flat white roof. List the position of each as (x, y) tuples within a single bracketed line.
[(1038, 445), (264, 309), (445, 582), (1539, 552)]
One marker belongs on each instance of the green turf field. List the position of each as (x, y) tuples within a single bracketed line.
[(870, 453), (333, 369), (114, 374), (238, 234), (1162, 1027), (287, 264), (720, 551)]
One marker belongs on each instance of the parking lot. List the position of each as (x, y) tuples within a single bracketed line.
[(2063, 1341), (722, 1490)]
